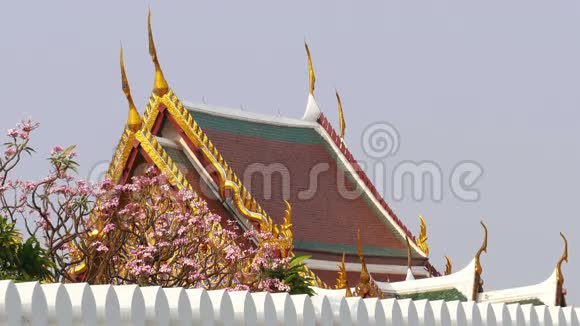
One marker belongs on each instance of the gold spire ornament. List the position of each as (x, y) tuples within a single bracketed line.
[(160, 86), (133, 120), (482, 249), (342, 280), (448, 266), (562, 259), (311, 76), (560, 293), (286, 232), (366, 287), (478, 282), (341, 121), (422, 240)]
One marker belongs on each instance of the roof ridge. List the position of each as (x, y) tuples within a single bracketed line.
[(341, 145)]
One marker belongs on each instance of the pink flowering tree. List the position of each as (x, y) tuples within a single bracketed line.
[(150, 233), (54, 210), (146, 232)]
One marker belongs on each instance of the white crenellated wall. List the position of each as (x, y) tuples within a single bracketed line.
[(516, 314), (80, 304), (544, 315), (58, 305), (571, 316), (107, 304), (180, 313), (84, 308), (456, 313), (203, 310), (10, 306)]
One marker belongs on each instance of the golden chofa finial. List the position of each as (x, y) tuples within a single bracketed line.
[(448, 266), (342, 280), (134, 120), (311, 76), (422, 240), (160, 86), (286, 231), (341, 121), (482, 249), (562, 259), (364, 274), (366, 287)]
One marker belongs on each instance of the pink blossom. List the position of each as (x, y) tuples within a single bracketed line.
[(56, 150), (29, 185), (109, 227), (100, 247), (43, 224), (165, 268), (9, 152), (12, 133)]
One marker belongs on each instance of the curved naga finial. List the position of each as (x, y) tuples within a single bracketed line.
[(448, 266), (342, 280), (160, 86), (562, 259), (286, 231), (341, 121), (311, 76), (483, 248), (366, 287), (422, 240), (133, 120), (364, 274)]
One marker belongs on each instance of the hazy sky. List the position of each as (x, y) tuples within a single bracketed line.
[(496, 82)]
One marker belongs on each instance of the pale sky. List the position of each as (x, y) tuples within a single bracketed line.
[(496, 82)]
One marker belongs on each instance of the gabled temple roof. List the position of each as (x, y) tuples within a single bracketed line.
[(246, 138)]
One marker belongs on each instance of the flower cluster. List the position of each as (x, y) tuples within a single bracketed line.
[(145, 232)]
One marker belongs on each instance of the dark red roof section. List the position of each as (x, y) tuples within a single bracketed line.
[(361, 173)]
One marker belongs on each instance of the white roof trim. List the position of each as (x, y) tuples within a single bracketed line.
[(461, 280), (545, 291), (312, 112), (328, 265), (250, 116), (410, 276)]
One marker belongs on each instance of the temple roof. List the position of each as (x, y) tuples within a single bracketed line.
[(245, 138)]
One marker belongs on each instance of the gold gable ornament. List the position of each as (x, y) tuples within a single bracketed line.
[(160, 86), (134, 119), (448, 266), (422, 240), (342, 279), (283, 233), (366, 287), (478, 284), (341, 121), (560, 298), (311, 76)]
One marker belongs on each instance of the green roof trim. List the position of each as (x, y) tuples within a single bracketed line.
[(533, 302), (445, 295), (350, 249), (298, 135)]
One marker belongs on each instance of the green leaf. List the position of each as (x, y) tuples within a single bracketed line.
[(298, 260)]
